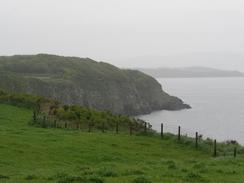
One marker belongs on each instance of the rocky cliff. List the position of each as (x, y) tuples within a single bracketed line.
[(86, 82)]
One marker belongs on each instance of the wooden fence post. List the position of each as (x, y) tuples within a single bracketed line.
[(196, 140), (235, 152), (145, 127), (179, 133), (162, 130), (215, 148), (34, 116), (117, 127)]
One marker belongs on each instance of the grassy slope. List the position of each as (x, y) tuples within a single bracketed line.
[(29, 154)]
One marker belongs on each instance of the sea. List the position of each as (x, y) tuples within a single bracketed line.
[(217, 108)]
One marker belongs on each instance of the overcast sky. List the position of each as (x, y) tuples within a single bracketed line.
[(128, 33)]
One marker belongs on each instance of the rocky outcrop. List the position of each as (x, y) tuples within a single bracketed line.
[(85, 82)]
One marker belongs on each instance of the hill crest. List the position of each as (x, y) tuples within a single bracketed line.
[(85, 82)]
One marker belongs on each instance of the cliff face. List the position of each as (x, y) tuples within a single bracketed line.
[(85, 82)]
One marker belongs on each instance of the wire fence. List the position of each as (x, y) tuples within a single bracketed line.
[(181, 135), (130, 127), (197, 140)]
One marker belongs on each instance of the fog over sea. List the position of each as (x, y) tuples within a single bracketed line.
[(217, 107)]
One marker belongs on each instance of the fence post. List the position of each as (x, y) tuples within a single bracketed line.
[(179, 133), (215, 148), (65, 125), (235, 152), (34, 116), (162, 130), (196, 142), (145, 127), (117, 127)]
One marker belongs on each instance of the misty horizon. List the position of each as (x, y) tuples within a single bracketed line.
[(153, 66), (128, 34)]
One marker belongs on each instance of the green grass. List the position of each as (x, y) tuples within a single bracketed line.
[(30, 154)]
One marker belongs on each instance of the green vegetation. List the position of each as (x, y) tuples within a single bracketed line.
[(25, 100), (85, 82), (49, 113), (40, 155)]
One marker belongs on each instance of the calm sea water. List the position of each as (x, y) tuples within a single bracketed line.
[(217, 107)]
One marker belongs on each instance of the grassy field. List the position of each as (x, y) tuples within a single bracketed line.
[(30, 154)]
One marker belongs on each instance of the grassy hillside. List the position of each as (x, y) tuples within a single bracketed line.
[(48, 113), (30, 154), (85, 82)]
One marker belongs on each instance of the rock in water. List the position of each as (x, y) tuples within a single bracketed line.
[(86, 82)]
